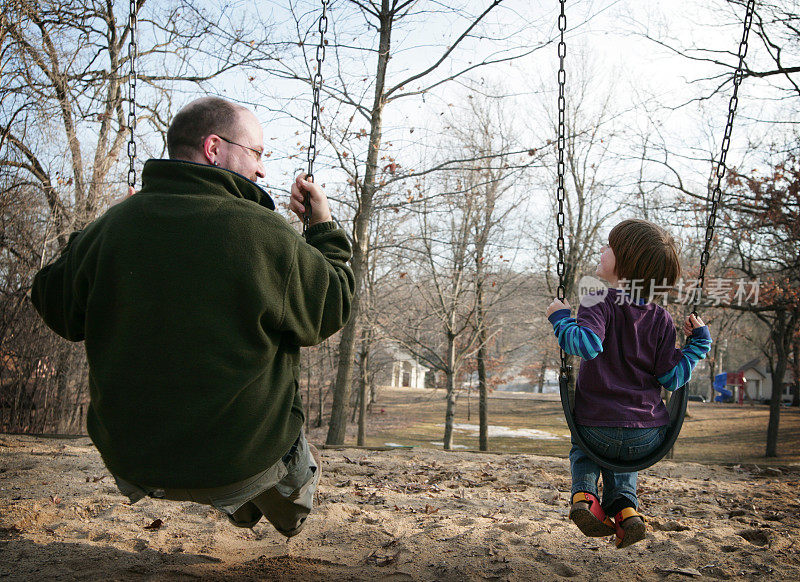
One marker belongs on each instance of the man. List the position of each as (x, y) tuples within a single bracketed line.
[(193, 298)]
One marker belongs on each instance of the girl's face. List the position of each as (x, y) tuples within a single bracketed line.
[(607, 268)]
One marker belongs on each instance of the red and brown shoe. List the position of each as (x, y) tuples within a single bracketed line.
[(630, 527), (589, 516)]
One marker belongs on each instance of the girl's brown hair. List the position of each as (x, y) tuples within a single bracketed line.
[(646, 253)]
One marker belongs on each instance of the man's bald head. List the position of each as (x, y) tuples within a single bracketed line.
[(199, 119)]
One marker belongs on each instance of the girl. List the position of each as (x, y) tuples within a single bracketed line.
[(627, 344)]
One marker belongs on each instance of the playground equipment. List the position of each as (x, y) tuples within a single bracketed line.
[(725, 395), (731, 387)]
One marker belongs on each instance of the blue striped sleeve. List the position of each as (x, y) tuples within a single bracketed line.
[(695, 350), (574, 339)]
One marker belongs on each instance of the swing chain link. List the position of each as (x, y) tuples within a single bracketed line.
[(316, 86), (132, 56), (561, 145), (716, 194)]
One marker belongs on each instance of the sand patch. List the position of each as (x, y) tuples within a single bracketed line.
[(395, 515)]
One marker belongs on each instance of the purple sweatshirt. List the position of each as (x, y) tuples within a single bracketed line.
[(620, 386)]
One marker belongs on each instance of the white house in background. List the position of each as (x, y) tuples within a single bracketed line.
[(407, 372), (759, 381)]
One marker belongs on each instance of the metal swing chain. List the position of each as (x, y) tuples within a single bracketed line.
[(132, 55), (316, 86), (716, 194), (561, 144)]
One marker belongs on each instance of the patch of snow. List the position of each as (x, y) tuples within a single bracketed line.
[(441, 444), (504, 431)]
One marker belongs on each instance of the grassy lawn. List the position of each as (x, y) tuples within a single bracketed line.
[(712, 433)]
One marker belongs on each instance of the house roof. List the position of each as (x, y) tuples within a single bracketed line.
[(753, 365), (400, 356), (753, 369), (756, 366)]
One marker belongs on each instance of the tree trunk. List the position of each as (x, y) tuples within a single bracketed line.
[(451, 393), (337, 425), (480, 320), (483, 402), (542, 372), (469, 399), (712, 370), (76, 424), (344, 374), (356, 398), (450, 412), (795, 374), (320, 405), (775, 410), (362, 390), (779, 340), (65, 380)]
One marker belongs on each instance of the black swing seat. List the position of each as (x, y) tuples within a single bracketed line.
[(677, 412)]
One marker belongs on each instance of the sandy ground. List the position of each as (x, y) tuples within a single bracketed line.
[(396, 515)]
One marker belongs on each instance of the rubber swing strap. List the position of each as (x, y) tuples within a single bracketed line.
[(677, 410)]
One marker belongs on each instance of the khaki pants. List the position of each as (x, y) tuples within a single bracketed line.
[(283, 493)]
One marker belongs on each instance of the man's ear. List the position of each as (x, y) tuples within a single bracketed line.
[(211, 149)]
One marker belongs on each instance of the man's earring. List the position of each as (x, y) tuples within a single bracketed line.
[(216, 163)]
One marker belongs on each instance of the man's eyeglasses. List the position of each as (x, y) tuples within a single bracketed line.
[(258, 153)]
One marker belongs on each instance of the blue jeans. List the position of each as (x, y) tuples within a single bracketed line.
[(614, 443)]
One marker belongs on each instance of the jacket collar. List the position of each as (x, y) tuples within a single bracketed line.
[(183, 177)]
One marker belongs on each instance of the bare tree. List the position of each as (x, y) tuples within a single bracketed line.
[(382, 264), (776, 25), (365, 99), (593, 177), (773, 54), (490, 190), (431, 314)]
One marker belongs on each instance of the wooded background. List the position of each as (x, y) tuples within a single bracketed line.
[(437, 148)]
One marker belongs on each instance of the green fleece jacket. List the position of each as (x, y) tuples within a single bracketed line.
[(193, 297)]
